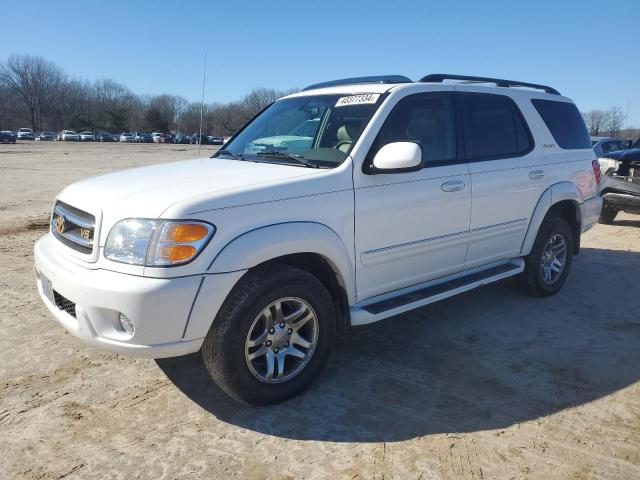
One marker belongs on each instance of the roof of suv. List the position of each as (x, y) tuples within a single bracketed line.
[(382, 84)]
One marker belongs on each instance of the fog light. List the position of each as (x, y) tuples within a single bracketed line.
[(127, 325)]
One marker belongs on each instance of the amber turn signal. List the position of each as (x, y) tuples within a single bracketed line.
[(177, 253), (187, 232)]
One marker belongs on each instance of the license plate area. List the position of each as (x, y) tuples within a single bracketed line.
[(47, 287)]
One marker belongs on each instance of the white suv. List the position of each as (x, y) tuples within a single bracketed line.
[(394, 195)]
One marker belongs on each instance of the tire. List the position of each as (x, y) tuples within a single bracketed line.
[(225, 351), (533, 278), (608, 215)]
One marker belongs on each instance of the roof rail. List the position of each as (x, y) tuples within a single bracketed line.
[(441, 77), (350, 81)]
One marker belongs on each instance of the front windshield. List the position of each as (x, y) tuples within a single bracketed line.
[(318, 129)]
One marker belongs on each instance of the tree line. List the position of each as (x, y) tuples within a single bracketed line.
[(36, 93), (605, 122)]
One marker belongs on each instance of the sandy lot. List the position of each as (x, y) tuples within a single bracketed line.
[(491, 384)]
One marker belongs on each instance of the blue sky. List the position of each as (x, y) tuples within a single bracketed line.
[(588, 50)]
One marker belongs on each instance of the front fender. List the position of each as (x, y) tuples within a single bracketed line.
[(266, 243)]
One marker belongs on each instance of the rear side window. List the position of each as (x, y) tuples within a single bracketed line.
[(493, 127), (564, 122)]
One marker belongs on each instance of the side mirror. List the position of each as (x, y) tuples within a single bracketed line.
[(398, 157)]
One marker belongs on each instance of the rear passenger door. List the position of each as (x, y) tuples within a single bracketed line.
[(508, 175)]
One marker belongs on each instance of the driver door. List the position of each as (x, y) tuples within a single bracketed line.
[(411, 227)]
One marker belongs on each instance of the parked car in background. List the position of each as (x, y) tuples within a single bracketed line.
[(216, 140), (181, 139), (127, 137), (69, 136), (46, 136), (105, 137), (144, 138), (156, 136), (87, 136), (197, 139), (604, 145), (26, 134), (627, 160), (7, 136), (619, 194), (166, 138)]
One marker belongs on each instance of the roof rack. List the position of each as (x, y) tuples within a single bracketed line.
[(441, 77), (350, 81)]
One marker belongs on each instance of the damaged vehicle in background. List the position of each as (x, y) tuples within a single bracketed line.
[(620, 188)]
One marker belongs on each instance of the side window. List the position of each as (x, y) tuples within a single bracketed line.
[(564, 122), (426, 119), (611, 146), (493, 126)]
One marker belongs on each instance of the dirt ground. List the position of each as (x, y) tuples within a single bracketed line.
[(490, 384)]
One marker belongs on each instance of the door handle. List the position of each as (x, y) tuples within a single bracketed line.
[(453, 186), (536, 174)]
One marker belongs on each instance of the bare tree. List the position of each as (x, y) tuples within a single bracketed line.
[(35, 80), (163, 112), (614, 120), (595, 120)]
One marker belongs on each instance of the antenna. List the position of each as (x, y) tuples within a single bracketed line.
[(204, 77)]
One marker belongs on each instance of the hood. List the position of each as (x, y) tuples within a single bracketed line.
[(150, 191)]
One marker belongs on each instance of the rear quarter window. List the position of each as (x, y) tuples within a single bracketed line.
[(564, 122), (493, 127)]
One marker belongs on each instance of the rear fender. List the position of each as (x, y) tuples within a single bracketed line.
[(551, 196)]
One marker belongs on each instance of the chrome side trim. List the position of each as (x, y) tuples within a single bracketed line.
[(394, 252), (498, 229)]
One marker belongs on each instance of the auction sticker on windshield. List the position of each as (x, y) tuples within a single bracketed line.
[(358, 99)]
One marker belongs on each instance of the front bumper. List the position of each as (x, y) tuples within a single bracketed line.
[(590, 212), (169, 315)]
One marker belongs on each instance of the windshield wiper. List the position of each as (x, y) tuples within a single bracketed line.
[(290, 156), (224, 151)]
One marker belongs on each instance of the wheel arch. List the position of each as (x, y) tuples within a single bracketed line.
[(310, 246), (304, 243), (563, 200)]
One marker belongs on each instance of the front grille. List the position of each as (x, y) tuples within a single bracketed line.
[(64, 304), (73, 227)]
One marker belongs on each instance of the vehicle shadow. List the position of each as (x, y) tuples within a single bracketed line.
[(487, 359)]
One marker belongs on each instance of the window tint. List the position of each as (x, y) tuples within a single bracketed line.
[(564, 122), (425, 119), (494, 127)]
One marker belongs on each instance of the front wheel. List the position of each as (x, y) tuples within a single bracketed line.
[(548, 264), (272, 335)]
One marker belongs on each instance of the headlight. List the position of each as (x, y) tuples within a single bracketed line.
[(156, 243)]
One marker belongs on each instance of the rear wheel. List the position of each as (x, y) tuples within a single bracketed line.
[(548, 264), (272, 335), (608, 215)]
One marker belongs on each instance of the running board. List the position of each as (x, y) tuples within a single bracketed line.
[(394, 303)]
